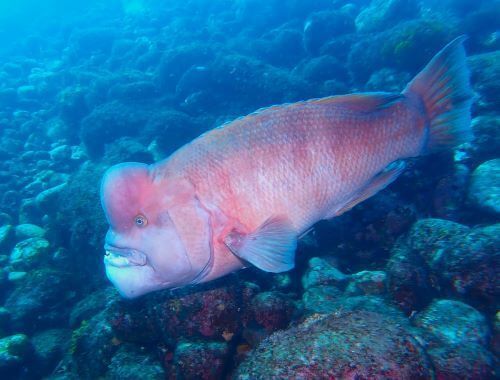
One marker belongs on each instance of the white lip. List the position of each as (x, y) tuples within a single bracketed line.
[(123, 257)]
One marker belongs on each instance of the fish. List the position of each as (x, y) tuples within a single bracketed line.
[(242, 194)]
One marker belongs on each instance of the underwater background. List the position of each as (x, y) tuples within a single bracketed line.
[(404, 286)]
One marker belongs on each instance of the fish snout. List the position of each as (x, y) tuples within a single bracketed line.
[(123, 257)]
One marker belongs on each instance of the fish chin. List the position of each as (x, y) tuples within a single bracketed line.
[(133, 281)]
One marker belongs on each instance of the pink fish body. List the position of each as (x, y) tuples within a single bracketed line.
[(243, 193)]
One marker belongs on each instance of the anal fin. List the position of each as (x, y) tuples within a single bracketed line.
[(271, 247), (377, 183)]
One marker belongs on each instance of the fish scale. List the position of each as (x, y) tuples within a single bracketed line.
[(312, 155)]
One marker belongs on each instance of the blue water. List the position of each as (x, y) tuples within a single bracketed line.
[(88, 84)]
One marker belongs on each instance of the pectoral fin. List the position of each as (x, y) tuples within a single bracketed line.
[(271, 247), (377, 183)]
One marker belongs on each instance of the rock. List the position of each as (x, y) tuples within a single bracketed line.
[(29, 253), (374, 304), (93, 344), (388, 80), (486, 143), (80, 221), (345, 344), (469, 269), (91, 305), (5, 219), (4, 321), (29, 213), (129, 363), (415, 261), (108, 122), (320, 27), (320, 272), (26, 231), (272, 310), (40, 300), (472, 361), (485, 77), (430, 238), (6, 236), (410, 280), (451, 192), (454, 323), (27, 92), (16, 276), (400, 47), (49, 347), (240, 76), (60, 154), (48, 200), (321, 69), (126, 149), (135, 91), (208, 312), (171, 129), (382, 14), (484, 190), (14, 350), (272, 47), (177, 61), (92, 40), (367, 283), (439, 257), (321, 299), (203, 360)]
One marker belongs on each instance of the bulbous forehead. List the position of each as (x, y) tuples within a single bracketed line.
[(126, 189)]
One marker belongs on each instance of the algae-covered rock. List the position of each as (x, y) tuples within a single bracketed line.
[(6, 236), (272, 310), (485, 77), (367, 283), (48, 200), (321, 272), (346, 344), (49, 347), (454, 323), (93, 344), (469, 270), (92, 304), (14, 350), (322, 26), (486, 143), (26, 231), (400, 47), (381, 14), (109, 122), (471, 361), (484, 190), (40, 299), (29, 253), (4, 321), (130, 363), (321, 299), (439, 257), (203, 360)]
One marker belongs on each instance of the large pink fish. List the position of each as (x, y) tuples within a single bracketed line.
[(243, 193)]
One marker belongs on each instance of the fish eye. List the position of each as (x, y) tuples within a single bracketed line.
[(140, 220)]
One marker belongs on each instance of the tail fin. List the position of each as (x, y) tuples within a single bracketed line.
[(443, 86)]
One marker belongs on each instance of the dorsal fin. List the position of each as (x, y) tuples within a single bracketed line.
[(363, 101)]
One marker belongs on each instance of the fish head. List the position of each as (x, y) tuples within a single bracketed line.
[(159, 236)]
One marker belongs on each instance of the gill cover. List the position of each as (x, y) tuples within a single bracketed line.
[(192, 224)]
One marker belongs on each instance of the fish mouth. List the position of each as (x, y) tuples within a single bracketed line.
[(123, 257)]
